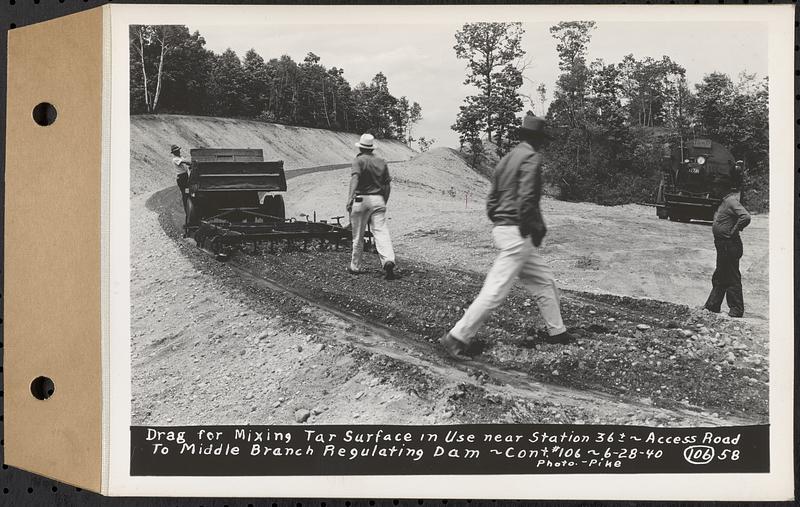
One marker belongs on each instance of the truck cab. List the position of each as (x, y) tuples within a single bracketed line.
[(696, 177)]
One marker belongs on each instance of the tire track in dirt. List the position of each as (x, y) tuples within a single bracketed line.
[(377, 338)]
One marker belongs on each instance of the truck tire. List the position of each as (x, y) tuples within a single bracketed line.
[(280, 207), (273, 206)]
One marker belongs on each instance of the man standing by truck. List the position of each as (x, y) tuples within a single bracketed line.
[(181, 167), (513, 207), (726, 283), (370, 185)]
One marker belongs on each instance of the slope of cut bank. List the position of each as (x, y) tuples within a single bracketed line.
[(298, 147), (436, 186)]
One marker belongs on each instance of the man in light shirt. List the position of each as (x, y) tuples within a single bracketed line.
[(182, 174), (370, 186)]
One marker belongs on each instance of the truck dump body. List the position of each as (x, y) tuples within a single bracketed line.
[(258, 176), (215, 170)]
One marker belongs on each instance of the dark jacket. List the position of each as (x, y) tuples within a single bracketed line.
[(516, 191), (730, 217)]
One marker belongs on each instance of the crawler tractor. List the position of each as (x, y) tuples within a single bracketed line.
[(235, 199)]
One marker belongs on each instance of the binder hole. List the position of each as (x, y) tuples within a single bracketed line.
[(42, 388), (44, 114)]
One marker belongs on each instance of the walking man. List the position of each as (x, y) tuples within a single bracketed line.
[(513, 207), (370, 185), (726, 283), (182, 167)]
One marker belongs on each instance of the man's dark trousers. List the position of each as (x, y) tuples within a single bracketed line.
[(727, 280), (183, 183)]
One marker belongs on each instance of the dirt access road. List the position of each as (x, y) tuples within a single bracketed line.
[(228, 348), (437, 213)]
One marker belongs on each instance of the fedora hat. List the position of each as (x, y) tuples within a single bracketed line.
[(366, 142), (534, 125), (174, 148)]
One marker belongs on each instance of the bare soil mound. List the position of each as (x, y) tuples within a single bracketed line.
[(439, 171), (434, 183), (298, 147)]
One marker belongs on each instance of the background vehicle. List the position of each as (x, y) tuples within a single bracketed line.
[(697, 176)]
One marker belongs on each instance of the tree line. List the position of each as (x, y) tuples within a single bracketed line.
[(611, 119), (171, 71)]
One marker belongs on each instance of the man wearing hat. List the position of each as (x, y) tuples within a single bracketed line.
[(370, 185), (181, 166), (513, 207), (726, 283)]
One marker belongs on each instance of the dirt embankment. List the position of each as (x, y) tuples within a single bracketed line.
[(152, 135)]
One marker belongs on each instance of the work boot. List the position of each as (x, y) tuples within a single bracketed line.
[(542, 336), (389, 268), (454, 347), (561, 338), (355, 271)]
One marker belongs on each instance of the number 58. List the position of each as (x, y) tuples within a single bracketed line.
[(734, 455)]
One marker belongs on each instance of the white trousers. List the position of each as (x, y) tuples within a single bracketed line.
[(518, 258), (372, 210)]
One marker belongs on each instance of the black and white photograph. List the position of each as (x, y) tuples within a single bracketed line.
[(555, 221)]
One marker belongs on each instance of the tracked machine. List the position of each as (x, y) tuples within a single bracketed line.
[(696, 176), (235, 199)]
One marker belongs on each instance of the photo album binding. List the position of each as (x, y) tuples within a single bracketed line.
[(402, 251)]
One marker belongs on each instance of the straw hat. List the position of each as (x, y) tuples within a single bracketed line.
[(366, 142)]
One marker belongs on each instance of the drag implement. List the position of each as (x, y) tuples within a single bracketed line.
[(235, 200)]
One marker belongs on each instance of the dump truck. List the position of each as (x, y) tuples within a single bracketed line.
[(696, 176), (235, 198), (233, 179)]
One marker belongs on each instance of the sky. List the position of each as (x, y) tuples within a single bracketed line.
[(420, 63)]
